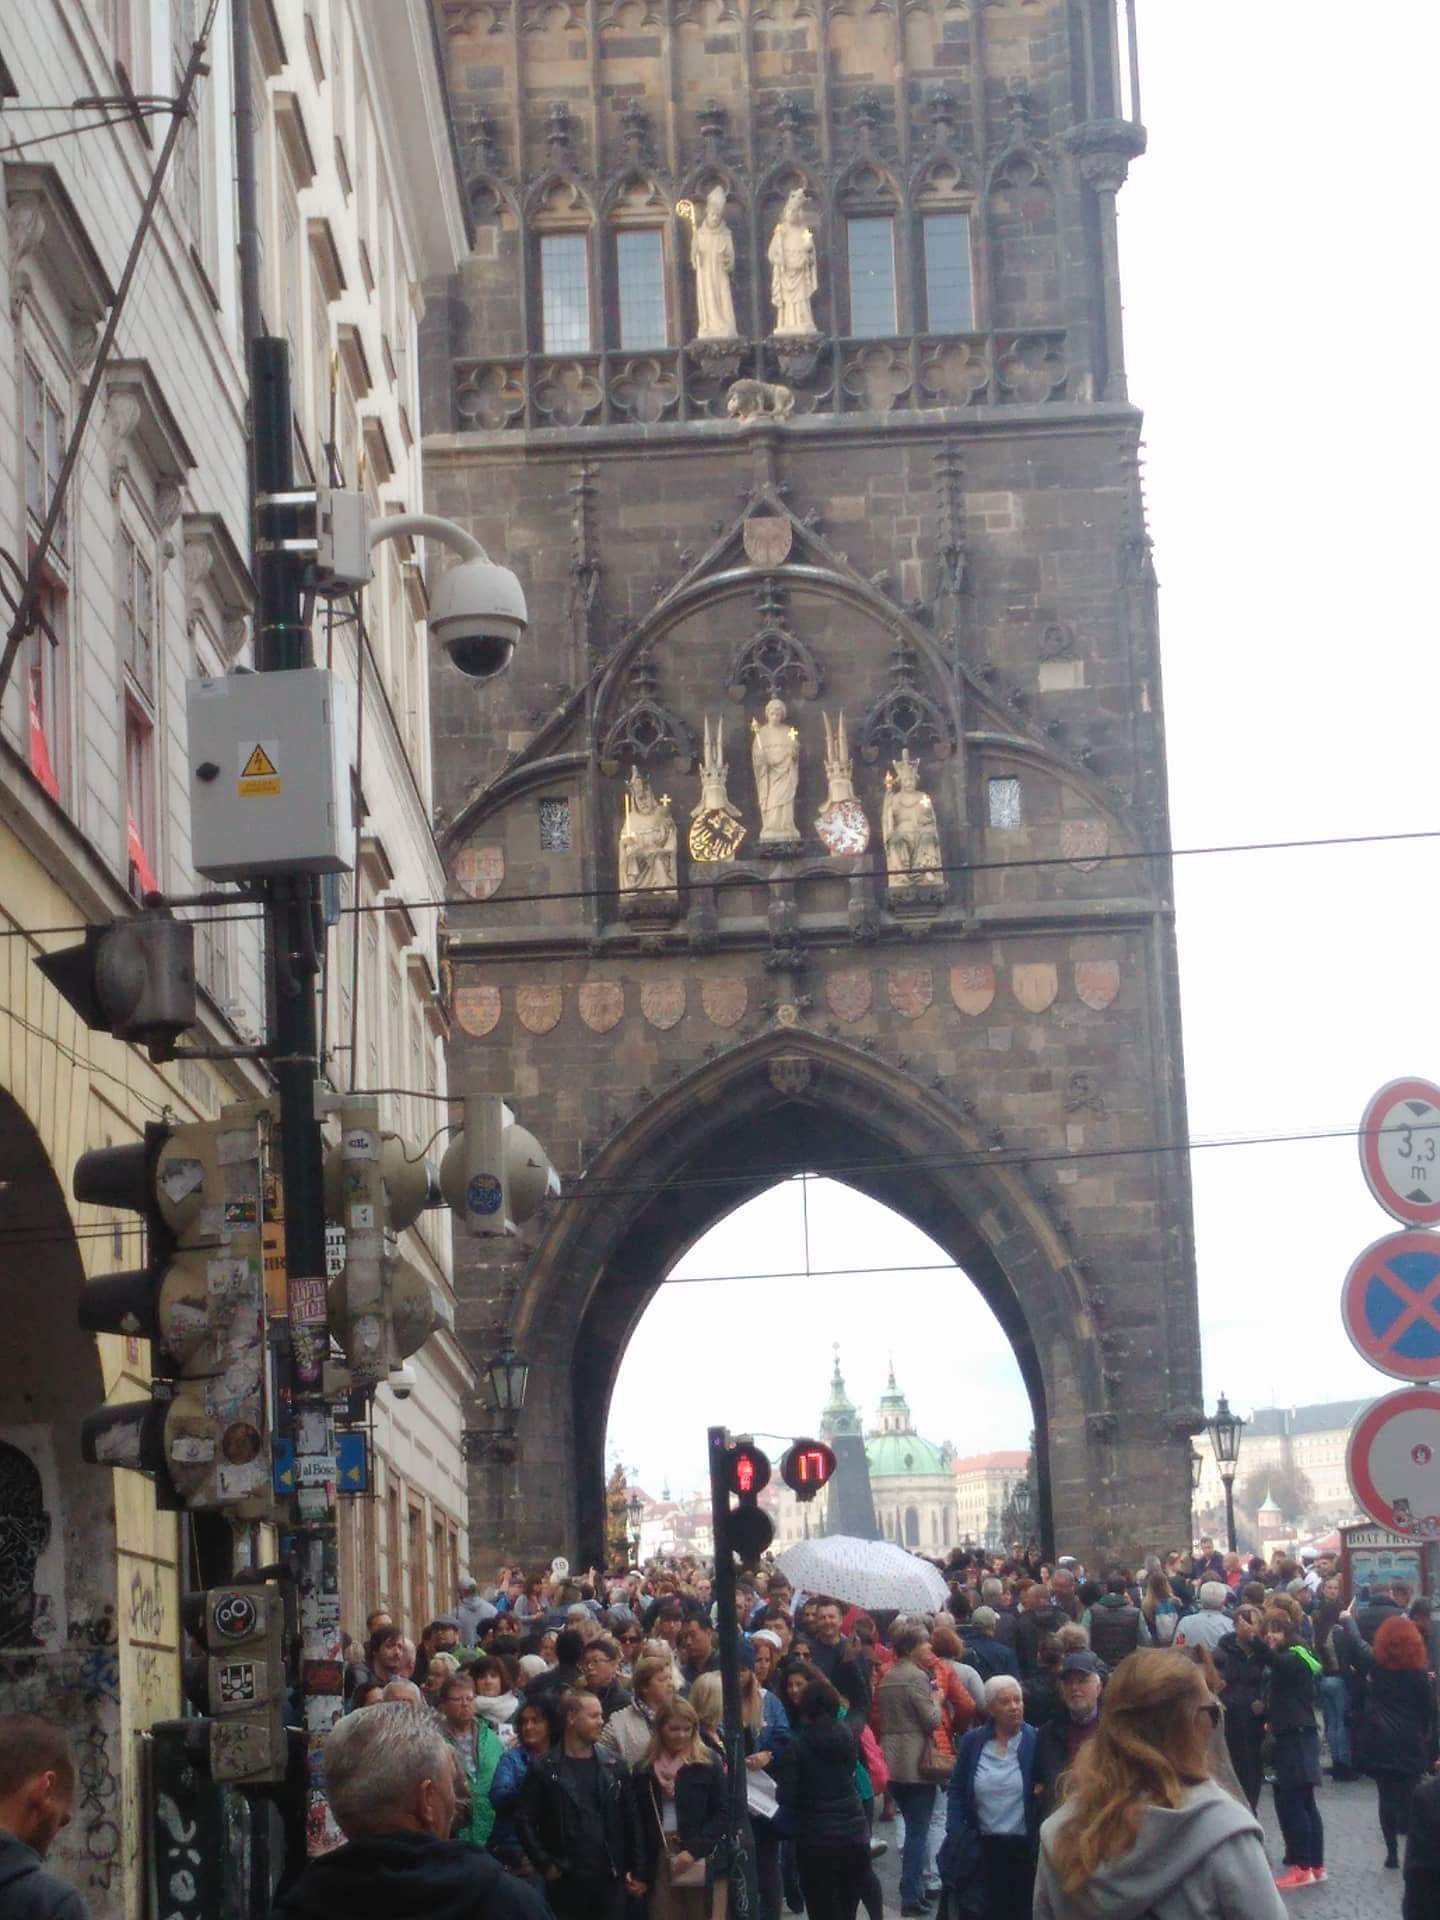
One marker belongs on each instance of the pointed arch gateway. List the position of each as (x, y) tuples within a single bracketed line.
[(786, 1101)]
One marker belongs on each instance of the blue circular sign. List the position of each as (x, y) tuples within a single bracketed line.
[(484, 1194), (1391, 1305)]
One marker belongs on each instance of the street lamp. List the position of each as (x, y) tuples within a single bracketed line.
[(1197, 1468), (505, 1378), (634, 1509), (1021, 1501), (1227, 1430)]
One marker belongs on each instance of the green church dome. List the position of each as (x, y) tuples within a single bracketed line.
[(896, 1455)]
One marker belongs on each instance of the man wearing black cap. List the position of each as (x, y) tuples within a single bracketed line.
[(1082, 1677)]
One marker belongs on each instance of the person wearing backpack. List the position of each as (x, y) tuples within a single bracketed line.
[(1162, 1610)]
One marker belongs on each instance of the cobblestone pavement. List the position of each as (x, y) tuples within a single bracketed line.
[(1359, 1888)]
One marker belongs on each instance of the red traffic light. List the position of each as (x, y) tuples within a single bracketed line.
[(807, 1466), (747, 1469)]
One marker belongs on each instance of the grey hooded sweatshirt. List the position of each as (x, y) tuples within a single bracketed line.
[(1202, 1860)]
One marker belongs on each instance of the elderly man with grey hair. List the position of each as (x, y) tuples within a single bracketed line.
[(390, 1775), (1209, 1626)]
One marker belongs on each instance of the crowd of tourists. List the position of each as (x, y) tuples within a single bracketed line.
[(1046, 1743), (1049, 1742)]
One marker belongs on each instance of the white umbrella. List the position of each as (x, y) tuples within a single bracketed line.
[(864, 1573)]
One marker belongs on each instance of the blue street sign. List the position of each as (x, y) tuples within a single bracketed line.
[(284, 1467), (354, 1463)]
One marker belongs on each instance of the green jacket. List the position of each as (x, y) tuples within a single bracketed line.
[(479, 1772)]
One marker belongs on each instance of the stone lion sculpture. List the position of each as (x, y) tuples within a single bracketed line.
[(757, 399)]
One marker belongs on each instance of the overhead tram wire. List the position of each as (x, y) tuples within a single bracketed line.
[(467, 902), (986, 1158)]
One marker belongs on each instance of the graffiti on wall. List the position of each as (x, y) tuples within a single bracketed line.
[(32, 1570)]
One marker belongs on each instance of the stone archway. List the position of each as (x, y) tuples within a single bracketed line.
[(60, 1649), (787, 1100)]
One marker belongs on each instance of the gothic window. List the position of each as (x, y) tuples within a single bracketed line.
[(870, 242), (949, 284), (1005, 809), (565, 292), (640, 276)]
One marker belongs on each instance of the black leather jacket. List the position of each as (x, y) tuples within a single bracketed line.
[(549, 1819), (699, 1812)]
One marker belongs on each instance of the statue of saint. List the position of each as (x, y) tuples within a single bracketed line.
[(910, 831), (712, 255), (647, 839), (793, 275), (775, 755)]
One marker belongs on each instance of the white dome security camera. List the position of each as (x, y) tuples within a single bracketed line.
[(477, 613), (403, 1380), (477, 609)]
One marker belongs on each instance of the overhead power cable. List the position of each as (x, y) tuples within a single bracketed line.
[(467, 901), (843, 1171)]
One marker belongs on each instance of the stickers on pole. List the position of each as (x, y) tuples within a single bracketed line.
[(1400, 1150), (1393, 1462), (1390, 1305)]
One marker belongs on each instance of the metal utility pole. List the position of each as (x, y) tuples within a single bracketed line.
[(295, 936), (744, 1887)]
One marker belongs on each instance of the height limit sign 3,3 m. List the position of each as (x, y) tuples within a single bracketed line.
[(1400, 1150)]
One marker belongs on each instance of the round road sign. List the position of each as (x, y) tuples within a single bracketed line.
[(1391, 1305), (1393, 1462), (1400, 1150)]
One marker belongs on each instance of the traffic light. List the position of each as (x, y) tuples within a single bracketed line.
[(199, 1300), (135, 979), (240, 1684), (806, 1466), (382, 1307), (748, 1529), (495, 1173)]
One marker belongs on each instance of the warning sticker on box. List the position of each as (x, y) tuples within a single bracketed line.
[(259, 769)]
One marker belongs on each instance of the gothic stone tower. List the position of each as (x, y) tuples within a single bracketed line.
[(935, 962)]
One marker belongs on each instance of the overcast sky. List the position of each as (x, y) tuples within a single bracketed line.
[(1277, 247)]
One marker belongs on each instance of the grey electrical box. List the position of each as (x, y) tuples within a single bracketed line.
[(270, 757)]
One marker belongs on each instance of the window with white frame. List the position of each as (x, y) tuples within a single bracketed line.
[(43, 409), (136, 595), (135, 600)]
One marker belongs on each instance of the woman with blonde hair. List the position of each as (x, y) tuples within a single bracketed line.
[(681, 1790), (1143, 1828), (629, 1731)]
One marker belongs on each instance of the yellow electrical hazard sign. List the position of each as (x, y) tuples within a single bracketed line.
[(260, 769)]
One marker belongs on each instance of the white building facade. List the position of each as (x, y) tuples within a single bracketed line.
[(148, 585)]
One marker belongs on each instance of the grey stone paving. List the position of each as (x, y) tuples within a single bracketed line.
[(1359, 1888)]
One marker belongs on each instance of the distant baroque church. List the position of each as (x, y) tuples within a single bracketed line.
[(890, 1483)]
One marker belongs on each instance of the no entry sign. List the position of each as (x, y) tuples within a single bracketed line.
[(1400, 1150), (1391, 1305), (1393, 1462)]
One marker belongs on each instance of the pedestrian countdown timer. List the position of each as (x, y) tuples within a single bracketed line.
[(1391, 1305), (806, 1467)]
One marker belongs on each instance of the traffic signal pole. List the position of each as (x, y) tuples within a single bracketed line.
[(744, 1886), (294, 937)]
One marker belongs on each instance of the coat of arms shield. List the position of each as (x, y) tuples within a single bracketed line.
[(767, 538)]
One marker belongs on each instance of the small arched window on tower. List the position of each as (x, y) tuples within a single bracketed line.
[(562, 224), (868, 201), (638, 219), (946, 291)]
